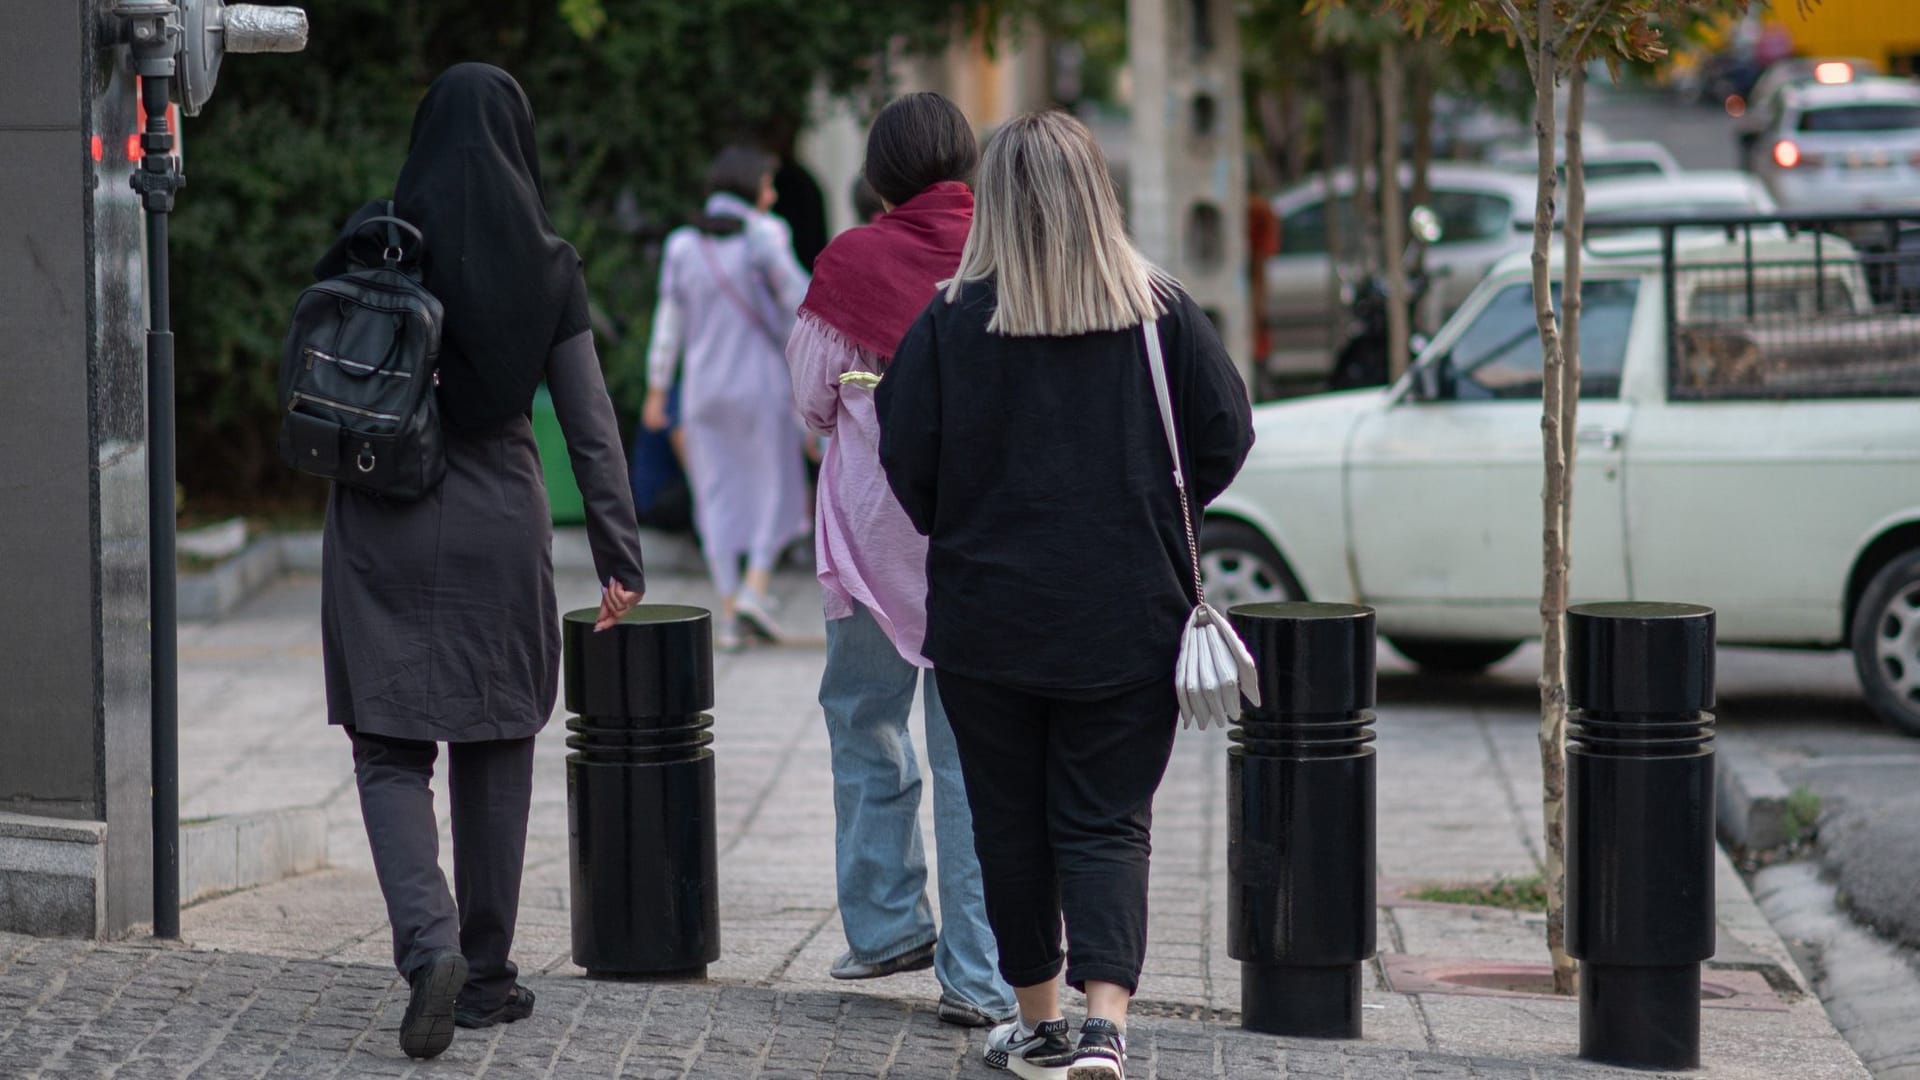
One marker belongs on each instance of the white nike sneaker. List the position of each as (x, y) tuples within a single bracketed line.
[(1041, 1053)]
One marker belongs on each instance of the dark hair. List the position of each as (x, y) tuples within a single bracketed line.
[(916, 142), (738, 170), (866, 201)]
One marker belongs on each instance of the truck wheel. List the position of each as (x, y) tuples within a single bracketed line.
[(1886, 643), (1453, 657), (1239, 566)]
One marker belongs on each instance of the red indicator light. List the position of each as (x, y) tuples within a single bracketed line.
[(97, 147)]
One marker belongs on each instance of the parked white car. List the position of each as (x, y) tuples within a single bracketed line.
[(1849, 146), (1771, 469), (1698, 193), (1601, 160), (1484, 215)]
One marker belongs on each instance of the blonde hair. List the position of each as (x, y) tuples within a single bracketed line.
[(1047, 227)]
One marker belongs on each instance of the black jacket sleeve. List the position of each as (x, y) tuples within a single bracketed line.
[(908, 405), (586, 418), (1215, 413)]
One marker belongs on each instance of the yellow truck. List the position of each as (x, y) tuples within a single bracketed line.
[(1883, 31)]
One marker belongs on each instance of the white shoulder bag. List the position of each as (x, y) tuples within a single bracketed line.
[(1214, 668)]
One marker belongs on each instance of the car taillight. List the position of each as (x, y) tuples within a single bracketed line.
[(1786, 154)]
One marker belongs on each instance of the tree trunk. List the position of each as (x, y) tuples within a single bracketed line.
[(1334, 146), (1553, 593), (1574, 233), (1299, 147), (1393, 213), (1423, 90), (1366, 171)]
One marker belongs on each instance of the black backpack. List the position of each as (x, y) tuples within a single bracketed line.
[(357, 375)]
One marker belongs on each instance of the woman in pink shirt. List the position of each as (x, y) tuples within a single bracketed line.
[(868, 287)]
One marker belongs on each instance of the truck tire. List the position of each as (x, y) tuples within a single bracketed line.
[(1240, 566), (1886, 643), (1453, 657)]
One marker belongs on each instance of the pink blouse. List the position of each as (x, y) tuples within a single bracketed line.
[(867, 551)]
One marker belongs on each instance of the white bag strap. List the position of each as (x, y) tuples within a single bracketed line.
[(1157, 365)]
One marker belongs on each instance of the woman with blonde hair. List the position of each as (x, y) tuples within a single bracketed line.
[(1021, 433)]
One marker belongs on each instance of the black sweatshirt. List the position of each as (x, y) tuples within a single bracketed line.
[(1038, 468)]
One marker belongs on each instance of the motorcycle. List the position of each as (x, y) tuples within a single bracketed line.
[(1363, 359)]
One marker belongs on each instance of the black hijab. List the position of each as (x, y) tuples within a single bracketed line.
[(508, 282)]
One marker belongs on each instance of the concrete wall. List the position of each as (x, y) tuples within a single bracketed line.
[(1187, 167), (73, 589)]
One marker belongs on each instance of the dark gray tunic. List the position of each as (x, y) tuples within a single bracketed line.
[(438, 617)]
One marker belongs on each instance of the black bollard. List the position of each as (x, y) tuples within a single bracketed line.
[(1300, 820), (640, 793), (1640, 827)]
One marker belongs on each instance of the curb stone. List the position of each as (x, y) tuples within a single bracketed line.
[(226, 854), (1750, 800), (1870, 988)]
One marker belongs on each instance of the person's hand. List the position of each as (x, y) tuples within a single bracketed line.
[(615, 600), (654, 416)]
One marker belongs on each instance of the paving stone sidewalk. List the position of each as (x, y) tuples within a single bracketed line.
[(1458, 801), (70, 1010)]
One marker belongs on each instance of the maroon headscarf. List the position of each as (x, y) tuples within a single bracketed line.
[(871, 282)]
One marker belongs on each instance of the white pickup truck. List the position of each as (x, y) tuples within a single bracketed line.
[(1759, 453)]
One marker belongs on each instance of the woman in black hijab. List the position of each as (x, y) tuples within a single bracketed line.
[(438, 616)]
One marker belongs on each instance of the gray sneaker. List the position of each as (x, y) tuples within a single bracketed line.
[(756, 616), (1040, 1054)]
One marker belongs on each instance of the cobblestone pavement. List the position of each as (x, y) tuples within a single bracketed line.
[(1458, 801), (70, 1010)]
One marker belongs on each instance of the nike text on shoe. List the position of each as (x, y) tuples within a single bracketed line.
[(1040, 1053), (1102, 1053)]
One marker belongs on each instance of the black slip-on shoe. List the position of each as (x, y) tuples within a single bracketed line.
[(427, 1029), (1102, 1053), (517, 1006), (966, 1014), (847, 967)]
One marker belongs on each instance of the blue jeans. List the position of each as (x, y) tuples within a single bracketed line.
[(867, 693)]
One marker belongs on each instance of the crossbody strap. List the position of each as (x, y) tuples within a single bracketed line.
[(726, 286), (1157, 365)]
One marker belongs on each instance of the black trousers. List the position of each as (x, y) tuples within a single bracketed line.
[(1062, 799), (491, 784)]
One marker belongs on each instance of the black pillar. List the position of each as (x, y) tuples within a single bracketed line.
[(1640, 841), (640, 793), (1300, 806)]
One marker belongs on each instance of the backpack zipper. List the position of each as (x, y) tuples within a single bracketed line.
[(329, 403), (315, 354)]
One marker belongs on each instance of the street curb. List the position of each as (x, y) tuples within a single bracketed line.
[(213, 595), (1870, 989), (227, 854), (210, 595), (1750, 801)]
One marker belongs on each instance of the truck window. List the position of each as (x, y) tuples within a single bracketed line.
[(1498, 358), (1861, 118), (1304, 232), (1468, 216)]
